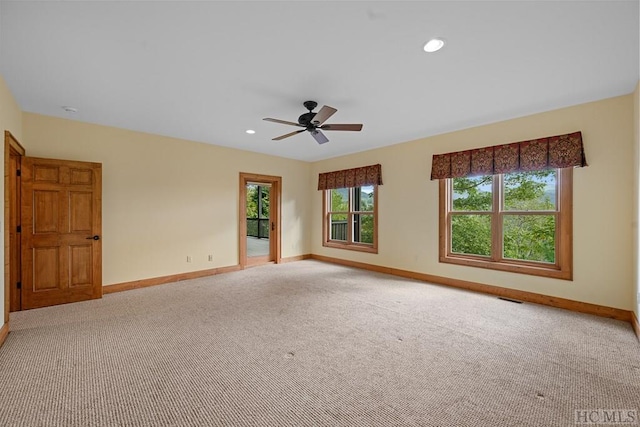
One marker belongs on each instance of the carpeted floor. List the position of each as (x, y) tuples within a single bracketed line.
[(312, 344)]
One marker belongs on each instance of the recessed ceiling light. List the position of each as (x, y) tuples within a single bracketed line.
[(433, 45), (250, 131), (69, 109)]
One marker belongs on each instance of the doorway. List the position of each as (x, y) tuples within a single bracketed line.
[(259, 219)]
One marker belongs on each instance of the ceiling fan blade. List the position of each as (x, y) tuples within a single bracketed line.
[(322, 115), (295, 132), (284, 122), (319, 136), (354, 127)]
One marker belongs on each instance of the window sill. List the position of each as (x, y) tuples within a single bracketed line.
[(351, 247), (550, 271)]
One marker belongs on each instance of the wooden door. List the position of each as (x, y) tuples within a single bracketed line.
[(274, 244), (61, 231), (13, 153), (14, 236)]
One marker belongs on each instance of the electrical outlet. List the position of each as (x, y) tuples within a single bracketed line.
[(210, 257), (188, 258)]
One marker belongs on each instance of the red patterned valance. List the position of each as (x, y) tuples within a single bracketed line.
[(561, 151), (367, 175)]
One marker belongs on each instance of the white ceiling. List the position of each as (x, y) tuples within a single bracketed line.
[(207, 71)]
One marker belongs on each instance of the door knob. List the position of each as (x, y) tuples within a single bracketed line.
[(96, 237)]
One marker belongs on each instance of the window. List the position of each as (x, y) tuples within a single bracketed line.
[(519, 222), (257, 207), (350, 218)]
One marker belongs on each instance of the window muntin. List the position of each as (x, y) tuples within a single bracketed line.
[(510, 222), (350, 218)]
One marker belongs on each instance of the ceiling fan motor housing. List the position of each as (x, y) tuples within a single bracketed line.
[(305, 119)]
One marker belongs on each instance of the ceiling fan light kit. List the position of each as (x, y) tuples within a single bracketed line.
[(314, 123)]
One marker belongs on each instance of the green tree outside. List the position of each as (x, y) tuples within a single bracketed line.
[(254, 192), (525, 237), (363, 201), (257, 207)]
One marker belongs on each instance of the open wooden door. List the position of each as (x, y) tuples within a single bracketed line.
[(13, 159), (61, 230), (260, 231)]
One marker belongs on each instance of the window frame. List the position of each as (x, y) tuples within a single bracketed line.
[(563, 267), (349, 244)]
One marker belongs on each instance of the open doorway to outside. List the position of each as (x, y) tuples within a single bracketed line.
[(259, 219)]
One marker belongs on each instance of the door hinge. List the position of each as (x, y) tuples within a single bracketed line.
[(19, 285), (19, 229), (18, 173)]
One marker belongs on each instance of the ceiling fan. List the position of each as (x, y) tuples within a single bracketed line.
[(314, 123)]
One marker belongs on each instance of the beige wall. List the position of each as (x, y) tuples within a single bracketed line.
[(164, 198), (408, 203), (11, 120)]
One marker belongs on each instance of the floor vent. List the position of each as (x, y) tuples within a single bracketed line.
[(510, 300)]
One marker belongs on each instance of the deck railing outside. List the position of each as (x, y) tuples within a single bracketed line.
[(338, 230), (258, 227)]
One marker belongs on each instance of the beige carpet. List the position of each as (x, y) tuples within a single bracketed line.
[(311, 344)]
